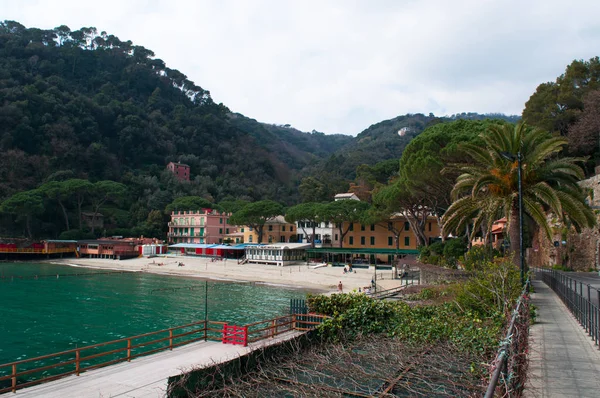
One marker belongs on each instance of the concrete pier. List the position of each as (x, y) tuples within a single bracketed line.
[(145, 376)]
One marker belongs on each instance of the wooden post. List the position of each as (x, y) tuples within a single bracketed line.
[(171, 339), (77, 364), (128, 350), (294, 321), (14, 378)]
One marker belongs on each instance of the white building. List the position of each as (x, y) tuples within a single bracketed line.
[(346, 196), (279, 254), (326, 234)]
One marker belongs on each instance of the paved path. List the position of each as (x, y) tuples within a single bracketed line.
[(142, 377), (564, 362)]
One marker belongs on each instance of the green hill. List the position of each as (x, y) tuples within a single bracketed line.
[(97, 107)]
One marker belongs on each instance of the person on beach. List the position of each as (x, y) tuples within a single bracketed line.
[(340, 287)]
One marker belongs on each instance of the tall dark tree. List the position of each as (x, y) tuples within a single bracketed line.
[(307, 213), (24, 206), (488, 188), (343, 213), (256, 214)]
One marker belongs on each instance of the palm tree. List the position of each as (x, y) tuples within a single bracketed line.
[(487, 188)]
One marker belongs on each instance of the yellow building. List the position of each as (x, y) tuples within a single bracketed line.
[(380, 235), (275, 230)]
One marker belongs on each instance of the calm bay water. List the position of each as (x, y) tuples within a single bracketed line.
[(50, 314)]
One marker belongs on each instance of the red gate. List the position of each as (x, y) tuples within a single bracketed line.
[(235, 335)]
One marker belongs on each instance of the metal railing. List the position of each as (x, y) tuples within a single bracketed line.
[(54, 366), (580, 298), (512, 345)]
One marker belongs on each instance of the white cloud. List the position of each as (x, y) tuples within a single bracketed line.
[(339, 66)]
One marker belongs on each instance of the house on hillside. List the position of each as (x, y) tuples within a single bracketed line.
[(97, 222), (498, 233), (345, 196), (180, 170)]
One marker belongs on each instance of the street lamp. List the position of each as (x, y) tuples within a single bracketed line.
[(511, 157)]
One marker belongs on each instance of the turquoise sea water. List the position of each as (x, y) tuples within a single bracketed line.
[(49, 314)]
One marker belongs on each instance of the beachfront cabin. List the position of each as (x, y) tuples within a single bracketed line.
[(279, 254), (60, 246), (212, 251), (113, 249), (152, 249)]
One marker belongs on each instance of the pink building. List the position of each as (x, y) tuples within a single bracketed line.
[(199, 226), (181, 171)]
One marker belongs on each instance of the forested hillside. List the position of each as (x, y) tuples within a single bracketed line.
[(96, 107), (82, 110)]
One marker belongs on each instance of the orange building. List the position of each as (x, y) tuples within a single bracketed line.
[(380, 235), (109, 248)]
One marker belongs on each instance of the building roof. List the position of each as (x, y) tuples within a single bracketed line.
[(106, 242), (347, 195), (277, 220), (208, 246), (179, 164), (284, 246), (339, 250)]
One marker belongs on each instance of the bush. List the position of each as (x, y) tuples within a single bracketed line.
[(493, 289), (473, 322), (477, 256)]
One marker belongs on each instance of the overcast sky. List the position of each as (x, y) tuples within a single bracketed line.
[(340, 66)]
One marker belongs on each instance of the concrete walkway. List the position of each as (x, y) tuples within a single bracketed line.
[(145, 376), (564, 362)]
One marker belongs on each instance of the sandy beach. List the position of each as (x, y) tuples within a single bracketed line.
[(323, 280)]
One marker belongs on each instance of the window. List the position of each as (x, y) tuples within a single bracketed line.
[(242, 229), (283, 228), (362, 240), (406, 225), (282, 239), (390, 241), (191, 221), (226, 230), (220, 230), (336, 237), (372, 241), (351, 240), (291, 228), (362, 227), (220, 240), (429, 227), (270, 227), (407, 241), (372, 227), (250, 239), (300, 237), (220, 221), (351, 228)]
